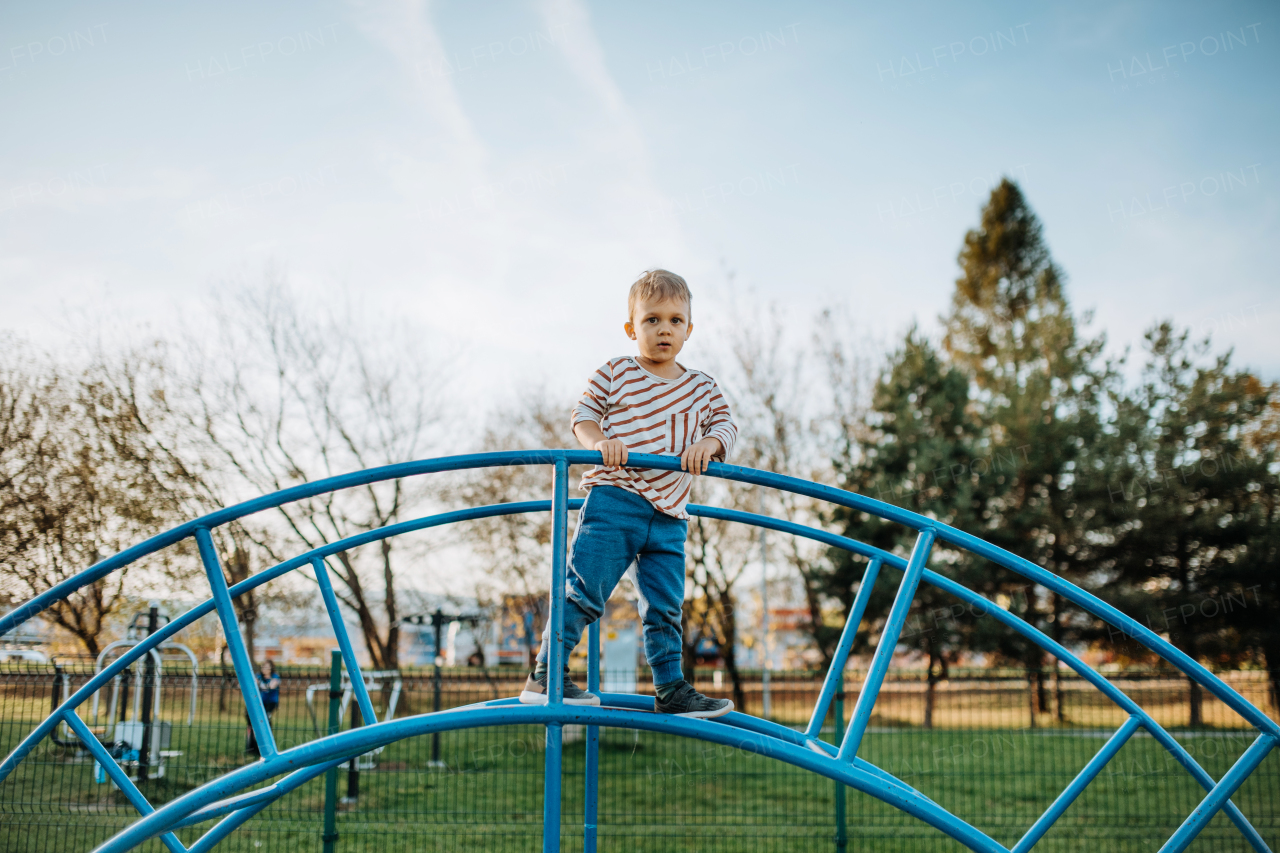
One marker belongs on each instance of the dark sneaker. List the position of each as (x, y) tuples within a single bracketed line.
[(687, 702), (535, 692)]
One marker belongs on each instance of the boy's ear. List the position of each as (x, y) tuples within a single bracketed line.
[(629, 329)]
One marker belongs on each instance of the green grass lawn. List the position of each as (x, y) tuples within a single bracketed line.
[(658, 793)]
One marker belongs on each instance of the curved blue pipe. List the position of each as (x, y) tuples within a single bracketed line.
[(761, 726), (754, 724), (562, 458), (355, 741), (1027, 630), (76, 699), (889, 512)]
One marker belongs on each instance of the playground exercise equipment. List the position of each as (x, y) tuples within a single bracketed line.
[(157, 655), (217, 800), (137, 741), (372, 681), (438, 620)]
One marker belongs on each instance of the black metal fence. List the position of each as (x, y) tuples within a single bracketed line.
[(997, 751)]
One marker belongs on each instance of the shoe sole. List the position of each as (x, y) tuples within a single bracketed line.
[(528, 697), (699, 715)]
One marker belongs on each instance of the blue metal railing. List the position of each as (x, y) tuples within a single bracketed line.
[(841, 763)]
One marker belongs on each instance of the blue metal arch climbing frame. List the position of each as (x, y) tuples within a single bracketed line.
[(235, 799)]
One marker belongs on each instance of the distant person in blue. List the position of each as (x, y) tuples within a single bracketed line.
[(269, 690)]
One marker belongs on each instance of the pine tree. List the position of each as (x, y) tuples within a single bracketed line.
[(1193, 508), (921, 458), (1038, 390)]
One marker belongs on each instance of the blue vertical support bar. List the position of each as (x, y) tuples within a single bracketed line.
[(1078, 784), (591, 805), (344, 642), (1217, 798), (888, 641), (117, 775), (835, 675), (235, 643), (842, 823), (555, 657)]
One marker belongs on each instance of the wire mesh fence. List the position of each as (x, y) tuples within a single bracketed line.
[(992, 747)]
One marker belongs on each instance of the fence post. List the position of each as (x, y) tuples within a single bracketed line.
[(842, 830), (592, 802), (353, 770), (437, 621), (148, 694), (555, 658), (330, 836)]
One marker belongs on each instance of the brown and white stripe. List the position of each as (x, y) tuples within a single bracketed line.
[(654, 415)]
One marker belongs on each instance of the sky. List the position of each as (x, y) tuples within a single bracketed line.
[(497, 174)]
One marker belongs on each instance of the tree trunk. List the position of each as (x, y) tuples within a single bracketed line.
[(930, 691), (687, 646), (1060, 711), (380, 656), (1188, 642), (1042, 688), (1058, 696), (91, 646), (1195, 699), (224, 688), (391, 651), (1195, 693), (735, 678), (1272, 653), (76, 618), (238, 568), (817, 628), (250, 632), (1032, 703), (1037, 698), (729, 649)]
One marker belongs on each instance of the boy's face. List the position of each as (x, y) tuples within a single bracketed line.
[(660, 329)]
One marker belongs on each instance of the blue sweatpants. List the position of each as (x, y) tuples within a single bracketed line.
[(615, 527)]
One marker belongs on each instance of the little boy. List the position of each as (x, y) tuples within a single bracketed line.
[(647, 403)]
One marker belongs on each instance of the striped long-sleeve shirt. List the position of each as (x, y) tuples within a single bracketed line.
[(654, 415)]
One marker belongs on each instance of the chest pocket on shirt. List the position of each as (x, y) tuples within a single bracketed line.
[(684, 429)]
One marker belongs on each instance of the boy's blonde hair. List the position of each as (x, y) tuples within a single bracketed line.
[(657, 286)]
